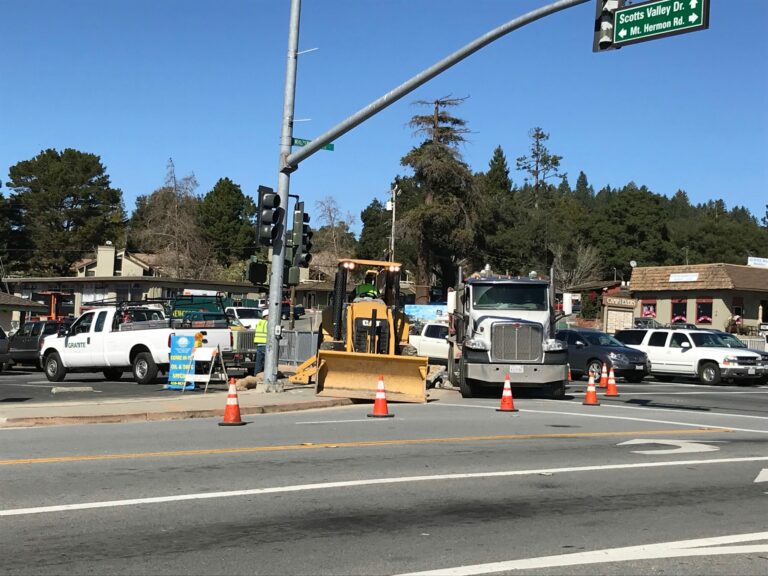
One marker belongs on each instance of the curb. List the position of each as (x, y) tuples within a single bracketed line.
[(30, 421)]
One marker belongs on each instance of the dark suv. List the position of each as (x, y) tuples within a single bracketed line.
[(24, 345), (588, 350)]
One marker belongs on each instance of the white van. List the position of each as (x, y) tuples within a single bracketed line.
[(247, 316)]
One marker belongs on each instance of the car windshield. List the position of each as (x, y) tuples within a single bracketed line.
[(601, 339), (249, 313), (731, 341), (509, 296), (704, 340)]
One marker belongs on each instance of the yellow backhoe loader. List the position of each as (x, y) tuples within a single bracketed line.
[(364, 336)]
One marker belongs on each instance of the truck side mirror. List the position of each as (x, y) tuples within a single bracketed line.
[(580, 343), (62, 331), (685, 345)]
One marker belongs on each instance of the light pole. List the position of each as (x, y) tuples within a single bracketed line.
[(395, 191)]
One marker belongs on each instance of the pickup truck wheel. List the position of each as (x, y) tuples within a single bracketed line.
[(112, 374), (709, 373), (144, 368), (54, 369)]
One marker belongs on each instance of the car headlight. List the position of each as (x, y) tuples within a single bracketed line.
[(616, 357), (476, 344), (730, 360), (552, 345)]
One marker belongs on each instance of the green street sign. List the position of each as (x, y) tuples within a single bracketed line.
[(302, 142), (658, 19)]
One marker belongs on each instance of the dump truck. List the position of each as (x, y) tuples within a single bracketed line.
[(503, 326), (363, 335)]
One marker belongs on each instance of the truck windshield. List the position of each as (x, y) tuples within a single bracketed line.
[(731, 341), (509, 297)]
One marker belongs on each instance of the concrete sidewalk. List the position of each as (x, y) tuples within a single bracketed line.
[(175, 405)]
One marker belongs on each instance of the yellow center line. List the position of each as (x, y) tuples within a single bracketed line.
[(362, 443)]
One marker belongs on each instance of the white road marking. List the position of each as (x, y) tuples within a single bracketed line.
[(614, 417), (32, 385), (680, 446), (369, 482), (699, 547), (343, 421), (763, 476)]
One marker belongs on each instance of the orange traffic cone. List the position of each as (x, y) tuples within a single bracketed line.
[(232, 409), (591, 398), (570, 379), (611, 391), (380, 404), (507, 402), (604, 376)]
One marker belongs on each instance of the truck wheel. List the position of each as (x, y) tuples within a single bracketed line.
[(709, 373), (557, 390), (112, 374), (144, 368), (465, 388), (54, 369)]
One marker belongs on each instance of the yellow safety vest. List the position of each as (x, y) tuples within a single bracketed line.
[(260, 337)]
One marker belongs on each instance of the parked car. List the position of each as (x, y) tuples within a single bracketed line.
[(694, 354), (589, 349), (647, 323), (24, 345), (5, 358), (247, 316), (429, 340)]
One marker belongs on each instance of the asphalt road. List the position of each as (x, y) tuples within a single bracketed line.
[(668, 478)]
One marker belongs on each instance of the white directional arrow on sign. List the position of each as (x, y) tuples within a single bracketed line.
[(692, 18), (623, 32), (694, 3), (680, 446)]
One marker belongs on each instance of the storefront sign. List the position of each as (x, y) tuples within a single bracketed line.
[(688, 277)]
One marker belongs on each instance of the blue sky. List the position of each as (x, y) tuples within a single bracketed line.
[(139, 81)]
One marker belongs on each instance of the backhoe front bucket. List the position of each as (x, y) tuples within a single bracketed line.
[(355, 375)]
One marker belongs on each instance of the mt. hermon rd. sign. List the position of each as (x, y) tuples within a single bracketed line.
[(656, 19)]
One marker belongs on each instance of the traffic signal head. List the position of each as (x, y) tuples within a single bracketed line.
[(270, 215), (605, 12), (302, 237)]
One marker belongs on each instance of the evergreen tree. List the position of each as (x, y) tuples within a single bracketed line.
[(64, 206), (583, 192), (226, 218)]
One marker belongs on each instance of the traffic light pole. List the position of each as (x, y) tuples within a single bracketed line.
[(283, 187), (290, 161)]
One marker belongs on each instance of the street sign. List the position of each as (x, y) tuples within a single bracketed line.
[(658, 19), (302, 142)]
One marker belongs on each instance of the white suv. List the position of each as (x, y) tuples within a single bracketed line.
[(697, 353)]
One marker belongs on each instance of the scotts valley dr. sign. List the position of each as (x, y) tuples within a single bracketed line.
[(652, 20)]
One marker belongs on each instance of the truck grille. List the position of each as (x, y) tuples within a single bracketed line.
[(746, 361), (515, 342)]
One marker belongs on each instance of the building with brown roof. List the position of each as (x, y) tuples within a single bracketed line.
[(719, 296)]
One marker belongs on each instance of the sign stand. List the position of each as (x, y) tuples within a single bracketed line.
[(217, 372)]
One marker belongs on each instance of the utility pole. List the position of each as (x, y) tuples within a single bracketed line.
[(290, 161)]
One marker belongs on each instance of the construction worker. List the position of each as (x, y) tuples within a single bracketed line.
[(260, 339)]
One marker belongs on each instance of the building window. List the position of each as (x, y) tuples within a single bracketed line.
[(649, 309), (738, 309), (704, 311), (679, 310)]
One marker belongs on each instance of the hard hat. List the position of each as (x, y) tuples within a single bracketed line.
[(265, 313)]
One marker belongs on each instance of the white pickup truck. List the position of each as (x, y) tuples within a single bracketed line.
[(108, 340), (430, 341)]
